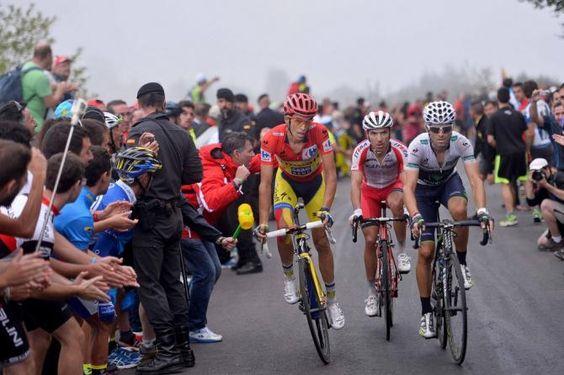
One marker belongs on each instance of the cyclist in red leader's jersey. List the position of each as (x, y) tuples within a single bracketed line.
[(376, 176), (303, 151)]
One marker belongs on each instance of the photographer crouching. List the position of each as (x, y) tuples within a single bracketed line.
[(544, 191)]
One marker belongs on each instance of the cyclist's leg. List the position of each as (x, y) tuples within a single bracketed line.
[(428, 208), (454, 198), (285, 200), (370, 204), (395, 202), (313, 198)]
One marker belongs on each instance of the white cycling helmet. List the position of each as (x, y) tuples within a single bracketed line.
[(111, 120), (439, 113), (377, 120)]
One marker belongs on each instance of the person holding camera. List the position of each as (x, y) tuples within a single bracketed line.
[(544, 191)]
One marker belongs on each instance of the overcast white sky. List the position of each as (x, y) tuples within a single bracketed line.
[(352, 42)]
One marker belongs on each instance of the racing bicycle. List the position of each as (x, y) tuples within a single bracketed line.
[(313, 297)]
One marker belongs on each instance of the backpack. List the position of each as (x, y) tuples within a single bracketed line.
[(11, 85)]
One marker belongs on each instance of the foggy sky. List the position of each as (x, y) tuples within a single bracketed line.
[(334, 43)]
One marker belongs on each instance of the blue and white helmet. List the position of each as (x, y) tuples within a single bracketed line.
[(439, 113)]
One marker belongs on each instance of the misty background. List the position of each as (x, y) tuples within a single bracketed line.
[(378, 49)]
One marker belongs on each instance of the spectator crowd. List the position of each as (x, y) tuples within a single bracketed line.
[(93, 240)]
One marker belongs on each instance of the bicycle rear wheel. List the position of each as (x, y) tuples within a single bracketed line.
[(456, 312), (315, 312), (385, 288)]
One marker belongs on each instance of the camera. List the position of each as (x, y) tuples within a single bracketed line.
[(538, 176)]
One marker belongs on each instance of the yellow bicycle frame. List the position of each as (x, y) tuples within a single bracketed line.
[(315, 278)]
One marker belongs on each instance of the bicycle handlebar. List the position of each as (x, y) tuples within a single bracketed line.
[(286, 231), (462, 223), (372, 221)]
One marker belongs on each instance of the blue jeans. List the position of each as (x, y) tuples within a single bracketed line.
[(203, 263)]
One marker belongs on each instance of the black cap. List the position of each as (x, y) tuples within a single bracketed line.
[(94, 114), (226, 94), (150, 87)]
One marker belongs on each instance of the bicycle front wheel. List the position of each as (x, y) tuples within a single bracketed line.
[(315, 311), (385, 284), (437, 293), (456, 312)]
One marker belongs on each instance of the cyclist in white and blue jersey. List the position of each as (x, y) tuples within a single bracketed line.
[(431, 179)]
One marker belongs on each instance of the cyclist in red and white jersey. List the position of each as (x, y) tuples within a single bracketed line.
[(376, 176)]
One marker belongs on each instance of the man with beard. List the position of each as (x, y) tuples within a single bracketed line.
[(231, 119)]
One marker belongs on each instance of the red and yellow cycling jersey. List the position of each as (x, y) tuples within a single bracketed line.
[(304, 165)]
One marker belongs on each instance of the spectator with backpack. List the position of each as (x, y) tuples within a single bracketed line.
[(36, 90)]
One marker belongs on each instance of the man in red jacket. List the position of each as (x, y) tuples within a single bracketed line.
[(227, 166)]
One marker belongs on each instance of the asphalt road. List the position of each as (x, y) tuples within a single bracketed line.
[(516, 311)]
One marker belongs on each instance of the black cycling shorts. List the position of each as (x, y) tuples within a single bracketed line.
[(429, 198), (512, 166), (14, 346), (44, 314)]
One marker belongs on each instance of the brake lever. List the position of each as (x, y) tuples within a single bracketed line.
[(329, 233), (355, 230), (265, 250)]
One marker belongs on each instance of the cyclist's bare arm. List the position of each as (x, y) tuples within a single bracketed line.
[(410, 183), (265, 192), (476, 183), (356, 181), (330, 175)]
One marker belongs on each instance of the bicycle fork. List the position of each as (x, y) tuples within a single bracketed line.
[(315, 279)]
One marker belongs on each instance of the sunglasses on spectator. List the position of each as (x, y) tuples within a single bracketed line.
[(438, 129)]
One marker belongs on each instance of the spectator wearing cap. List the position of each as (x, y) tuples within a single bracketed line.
[(231, 119), (267, 118), (61, 71), (37, 91), (544, 191), (202, 84), (156, 239), (97, 103)]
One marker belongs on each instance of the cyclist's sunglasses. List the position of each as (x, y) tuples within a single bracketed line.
[(438, 129)]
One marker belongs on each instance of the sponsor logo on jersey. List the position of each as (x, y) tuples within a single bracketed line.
[(310, 152), (265, 155), (424, 141), (327, 146), (300, 171)]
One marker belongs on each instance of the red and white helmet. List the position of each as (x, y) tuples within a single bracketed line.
[(377, 120), (300, 105)]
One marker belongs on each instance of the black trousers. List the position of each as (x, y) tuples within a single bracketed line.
[(156, 253), (229, 222)]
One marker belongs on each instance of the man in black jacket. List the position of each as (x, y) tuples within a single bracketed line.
[(267, 118), (156, 239), (231, 119), (482, 150)]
